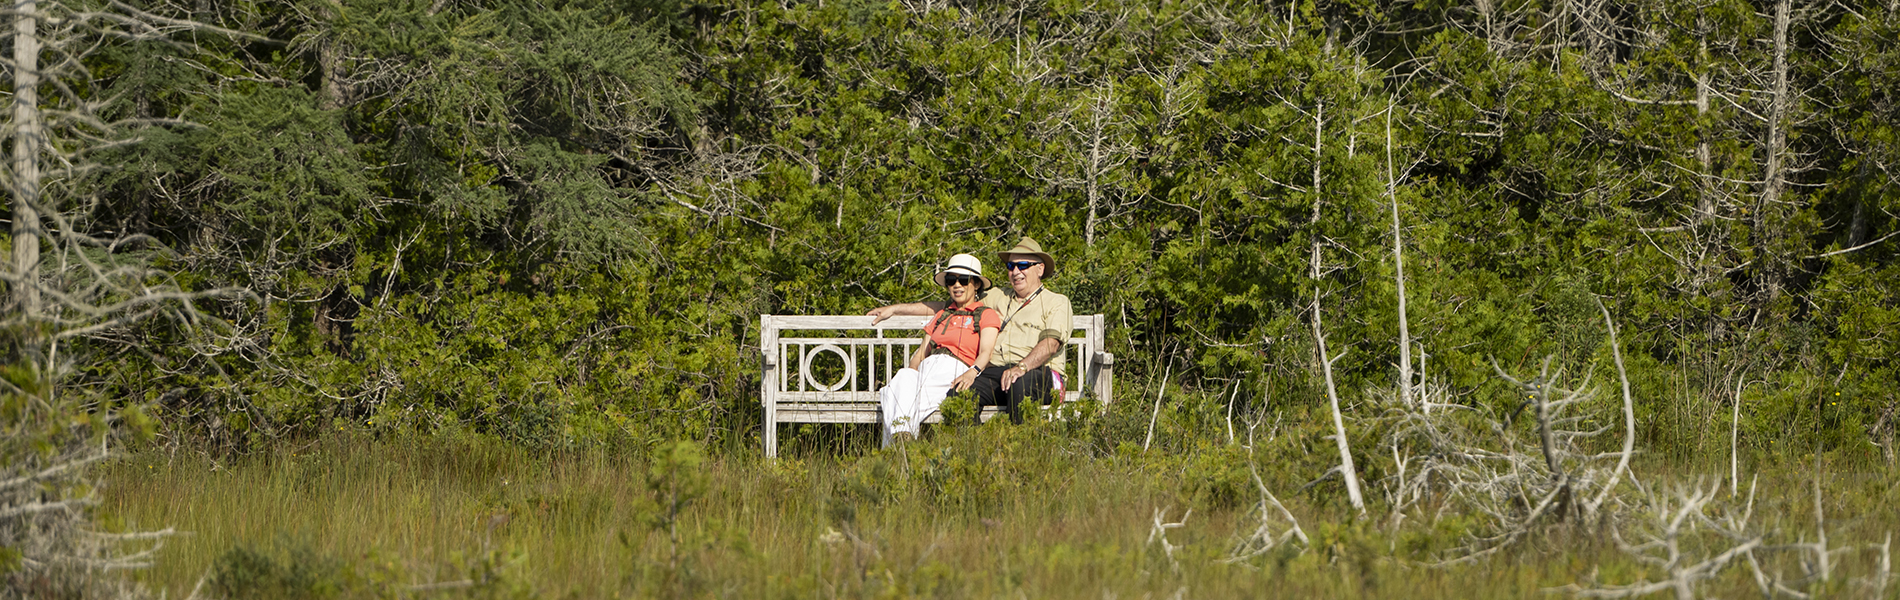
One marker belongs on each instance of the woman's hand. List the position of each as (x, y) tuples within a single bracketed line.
[(964, 381)]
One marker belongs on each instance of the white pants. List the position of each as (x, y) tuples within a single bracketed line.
[(913, 394)]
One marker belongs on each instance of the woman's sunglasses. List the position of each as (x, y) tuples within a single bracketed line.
[(949, 280)]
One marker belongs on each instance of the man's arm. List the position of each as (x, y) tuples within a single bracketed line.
[(1056, 319), (1038, 356), (913, 309)]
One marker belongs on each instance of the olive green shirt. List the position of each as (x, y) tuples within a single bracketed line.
[(1046, 315)]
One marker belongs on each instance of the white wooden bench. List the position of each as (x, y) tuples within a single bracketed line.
[(798, 387)]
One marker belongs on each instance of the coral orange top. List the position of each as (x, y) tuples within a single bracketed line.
[(953, 331)]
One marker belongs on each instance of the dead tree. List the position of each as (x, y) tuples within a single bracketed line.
[(1471, 458), (1326, 360), (1477, 459), (67, 286), (1273, 515), (1105, 154), (1666, 528), (1688, 538), (1085, 149), (1733, 80), (1158, 536), (1398, 264), (1346, 468), (1629, 415), (1774, 172), (28, 136)]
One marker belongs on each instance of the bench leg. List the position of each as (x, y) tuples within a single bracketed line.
[(771, 432)]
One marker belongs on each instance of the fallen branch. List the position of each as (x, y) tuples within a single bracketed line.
[(1262, 539), (1629, 416), (1159, 534)]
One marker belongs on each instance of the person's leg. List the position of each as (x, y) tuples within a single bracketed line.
[(938, 372), (987, 388), (1034, 386), (894, 402)]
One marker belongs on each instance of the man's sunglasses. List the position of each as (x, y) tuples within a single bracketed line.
[(961, 280), (1020, 265)]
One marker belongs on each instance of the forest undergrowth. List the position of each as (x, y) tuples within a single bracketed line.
[(1052, 509)]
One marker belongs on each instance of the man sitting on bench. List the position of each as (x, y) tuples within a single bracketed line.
[(1027, 362)]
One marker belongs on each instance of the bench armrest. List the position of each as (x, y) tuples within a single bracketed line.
[(1105, 359)]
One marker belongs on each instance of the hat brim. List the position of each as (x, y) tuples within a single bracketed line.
[(964, 270)]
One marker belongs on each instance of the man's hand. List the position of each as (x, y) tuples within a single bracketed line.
[(963, 381), (1011, 374), (879, 314), (1038, 356)]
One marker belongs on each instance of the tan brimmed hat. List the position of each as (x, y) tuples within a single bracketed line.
[(965, 264), (1029, 246)]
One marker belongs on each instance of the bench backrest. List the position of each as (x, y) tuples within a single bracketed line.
[(797, 368)]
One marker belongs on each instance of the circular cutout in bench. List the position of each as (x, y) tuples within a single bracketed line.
[(850, 370)]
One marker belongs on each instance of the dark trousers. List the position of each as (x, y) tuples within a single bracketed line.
[(1036, 385)]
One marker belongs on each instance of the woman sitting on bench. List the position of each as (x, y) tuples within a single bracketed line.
[(961, 338)]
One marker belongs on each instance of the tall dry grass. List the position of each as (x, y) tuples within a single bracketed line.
[(997, 511)]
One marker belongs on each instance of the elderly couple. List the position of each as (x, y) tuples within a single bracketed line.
[(1004, 343)]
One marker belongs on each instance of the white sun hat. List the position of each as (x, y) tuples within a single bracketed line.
[(964, 264)]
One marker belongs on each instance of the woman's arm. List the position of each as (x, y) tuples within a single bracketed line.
[(923, 350), (985, 345), (914, 309)]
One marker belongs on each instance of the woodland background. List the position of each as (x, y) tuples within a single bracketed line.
[(557, 222), (553, 224)]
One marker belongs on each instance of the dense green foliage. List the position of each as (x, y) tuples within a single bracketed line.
[(557, 222), (469, 232)]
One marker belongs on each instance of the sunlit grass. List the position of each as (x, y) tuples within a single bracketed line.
[(991, 512)]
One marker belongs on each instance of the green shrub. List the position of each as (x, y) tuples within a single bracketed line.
[(1217, 476), (290, 570)]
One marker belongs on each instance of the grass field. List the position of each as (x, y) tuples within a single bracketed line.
[(997, 511)]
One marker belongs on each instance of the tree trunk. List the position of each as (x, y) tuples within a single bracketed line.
[(1629, 413), (1346, 468), (1857, 227), (1772, 183), (1103, 103), (26, 166), (1705, 203), (333, 94), (1398, 263)]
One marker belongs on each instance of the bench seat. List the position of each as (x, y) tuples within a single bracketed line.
[(851, 412)]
